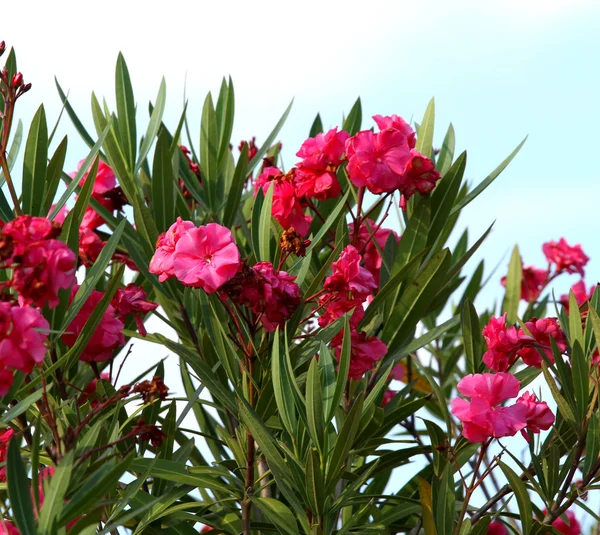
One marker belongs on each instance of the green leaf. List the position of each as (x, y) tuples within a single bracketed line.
[(328, 377), (54, 495), (487, 181), (443, 502), (264, 228), (343, 445), (314, 405), (18, 490), (269, 141), (425, 132), (443, 197), (592, 444), (13, 152), (581, 370), (21, 407), (563, 406), (282, 387), (343, 369), (317, 126), (471, 331), (73, 116), (153, 125), (446, 155), (225, 113), (34, 165), (314, 482), (575, 325), (237, 186), (209, 149), (353, 121), (279, 514), (53, 174), (521, 495), (510, 305), (72, 223), (79, 175), (126, 111), (163, 184), (415, 300)]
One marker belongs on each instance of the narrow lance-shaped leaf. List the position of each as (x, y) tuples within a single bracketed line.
[(34, 164), (512, 297)]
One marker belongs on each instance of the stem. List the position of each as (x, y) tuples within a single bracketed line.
[(472, 487), (249, 485), (358, 219), (3, 162)]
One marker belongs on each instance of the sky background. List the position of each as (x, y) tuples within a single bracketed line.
[(499, 70)]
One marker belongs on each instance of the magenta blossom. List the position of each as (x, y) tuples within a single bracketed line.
[(365, 352), (273, 295), (483, 417), (23, 333), (533, 282), (105, 178), (541, 330), (394, 122), (162, 261), (107, 337), (567, 258), (378, 161), (539, 416), (287, 207), (421, 175), (581, 293), (348, 275), (321, 156), (131, 300), (503, 343), (206, 257), (497, 528)]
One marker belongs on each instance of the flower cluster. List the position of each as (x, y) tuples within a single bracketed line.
[(506, 343), (346, 289), (483, 417), (562, 258), (41, 265)]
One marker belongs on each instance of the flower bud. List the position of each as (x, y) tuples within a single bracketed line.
[(17, 80), (26, 88), (2, 47)]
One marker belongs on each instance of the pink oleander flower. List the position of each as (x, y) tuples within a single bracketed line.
[(252, 148), (161, 263), (581, 293), (206, 529), (6, 380), (533, 282), (371, 240), (335, 305), (274, 296), (89, 392), (22, 340), (394, 122), (483, 417), (497, 528), (90, 246), (26, 229), (348, 275), (61, 215), (539, 416), (206, 257), (378, 161), (567, 258), (131, 300), (572, 528), (365, 352), (107, 337), (92, 219), (105, 178), (421, 175), (398, 372), (8, 528), (316, 173), (503, 343), (541, 330), (287, 207), (388, 395), (5, 437), (43, 269)]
